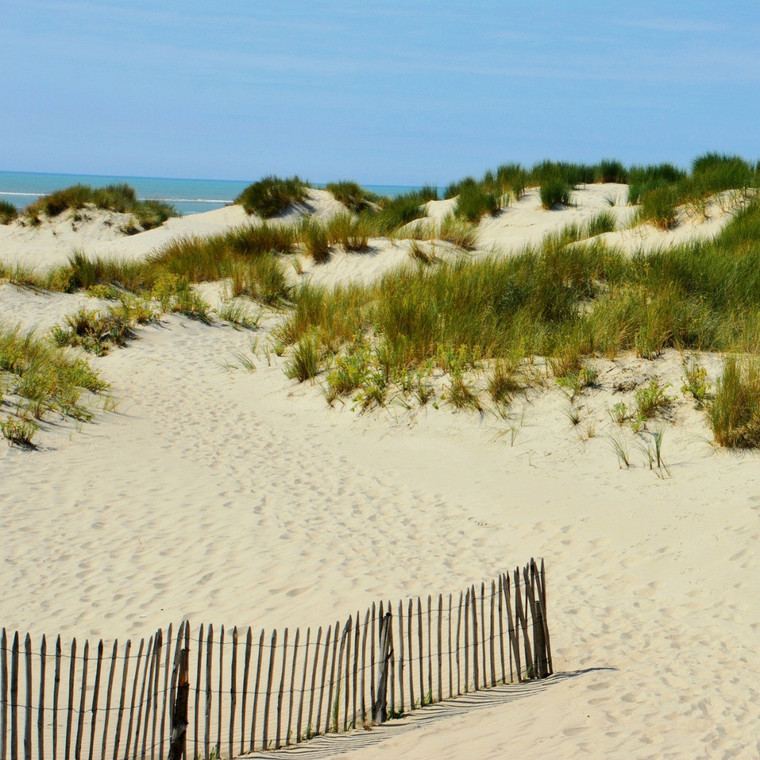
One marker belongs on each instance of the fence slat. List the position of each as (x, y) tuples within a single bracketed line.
[(401, 656), (429, 650), (332, 676), (233, 692), (522, 624), (451, 676), (421, 651), (372, 663), (14, 697), (347, 686), (459, 625), (335, 707), (492, 642), (146, 666), (82, 697), (278, 743), (95, 691), (292, 686), (40, 703), (209, 695), (318, 717), (475, 665), (151, 663), (28, 699), (501, 630), (169, 692), (254, 711), (440, 649), (541, 581), (109, 689), (70, 708), (304, 669), (244, 695), (198, 682), (357, 635), (220, 694), (467, 641), (484, 648), (268, 693), (3, 695), (122, 696), (309, 724), (514, 648)]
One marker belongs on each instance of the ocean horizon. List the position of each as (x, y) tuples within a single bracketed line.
[(188, 196)]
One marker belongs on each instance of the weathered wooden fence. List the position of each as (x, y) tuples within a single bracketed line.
[(210, 693)]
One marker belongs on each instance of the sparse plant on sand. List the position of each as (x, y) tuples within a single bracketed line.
[(695, 381), (239, 314), (19, 432), (651, 400), (354, 197), (304, 362), (554, 192), (93, 331), (620, 447)]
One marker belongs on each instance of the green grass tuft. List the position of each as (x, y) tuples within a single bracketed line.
[(734, 413), (271, 196), (8, 212)]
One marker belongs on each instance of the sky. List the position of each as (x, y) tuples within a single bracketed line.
[(393, 92)]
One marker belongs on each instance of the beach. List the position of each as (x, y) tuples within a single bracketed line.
[(220, 495)]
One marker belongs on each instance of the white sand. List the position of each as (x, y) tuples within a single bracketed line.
[(241, 498)]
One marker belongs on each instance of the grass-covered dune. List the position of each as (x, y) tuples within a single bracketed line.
[(119, 198)]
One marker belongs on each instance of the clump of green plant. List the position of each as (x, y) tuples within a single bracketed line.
[(658, 206), (8, 212), (734, 413), (238, 314), (424, 255), (576, 381), (271, 196), (695, 381), (461, 395), (619, 413), (93, 331), (175, 294), (314, 237), (651, 400), (601, 223), (304, 362), (610, 170), (457, 232), (350, 233), (104, 292), (120, 198), (19, 432), (395, 212), (503, 381), (474, 202), (46, 377), (354, 197), (554, 192)]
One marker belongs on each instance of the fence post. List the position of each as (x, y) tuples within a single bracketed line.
[(380, 711), (179, 715)]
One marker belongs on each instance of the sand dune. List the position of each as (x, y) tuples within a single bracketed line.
[(240, 498)]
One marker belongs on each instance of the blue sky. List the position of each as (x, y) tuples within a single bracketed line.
[(393, 92)]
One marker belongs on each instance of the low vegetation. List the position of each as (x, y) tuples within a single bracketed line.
[(271, 196), (120, 198), (734, 413), (8, 212)]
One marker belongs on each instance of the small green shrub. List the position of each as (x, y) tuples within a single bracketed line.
[(651, 400), (695, 382), (734, 414), (601, 223), (176, 295), (610, 170), (271, 196), (19, 432), (554, 192), (457, 232), (658, 206), (304, 362), (8, 212), (93, 331), (354, 197), (461, 395), (475, 202), (314, 237), (239, 315)]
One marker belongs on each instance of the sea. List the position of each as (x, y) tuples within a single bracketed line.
[(188, 196)]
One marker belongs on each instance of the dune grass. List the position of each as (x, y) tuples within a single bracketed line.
[(564, 301), (734, 413), (554, 192), (272, 195), (352, 195), (8, 212), (44, 378), (120, 198)]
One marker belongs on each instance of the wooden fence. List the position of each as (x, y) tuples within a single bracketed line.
[(210, 693)]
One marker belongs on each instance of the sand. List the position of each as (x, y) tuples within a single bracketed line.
[(241, 498)]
